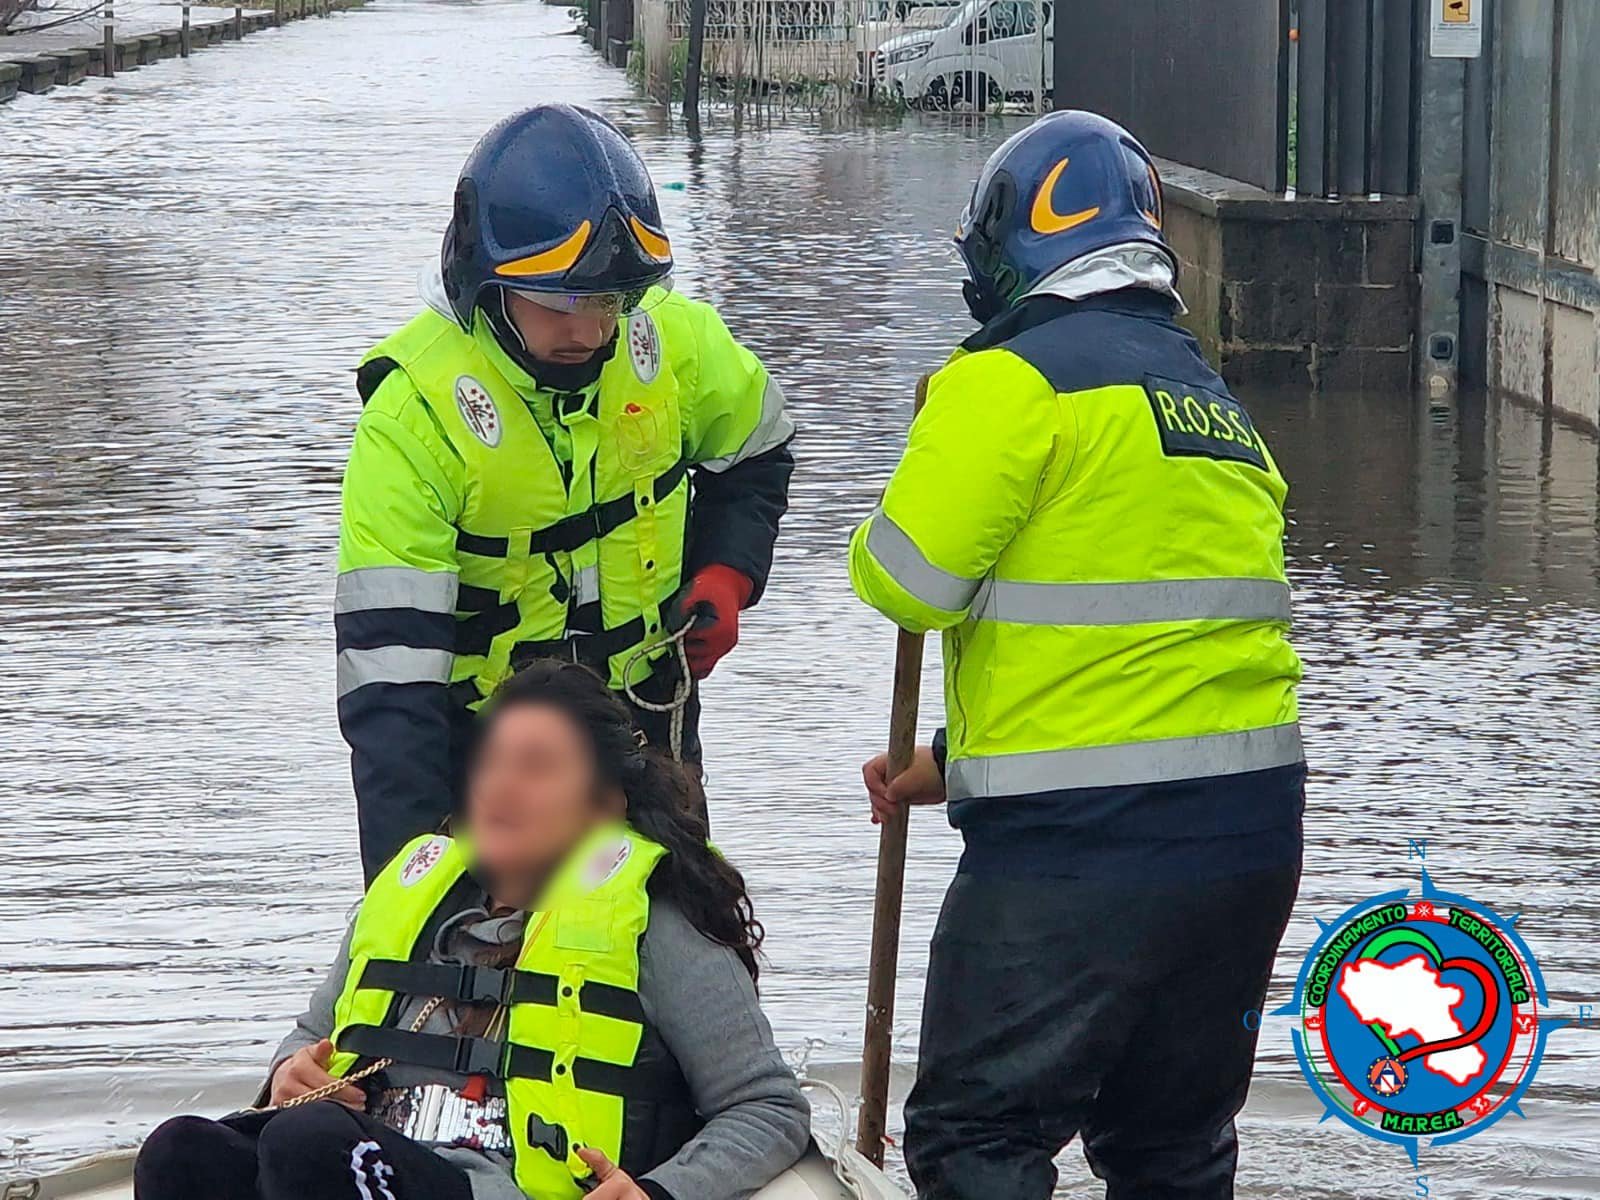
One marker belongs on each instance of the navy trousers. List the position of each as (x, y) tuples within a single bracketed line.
[(1122, 1013)]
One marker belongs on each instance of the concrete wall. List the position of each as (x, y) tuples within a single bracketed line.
[(1311, 294)]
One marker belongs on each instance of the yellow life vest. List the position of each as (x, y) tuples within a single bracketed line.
[(526, 536), (573, 1063)]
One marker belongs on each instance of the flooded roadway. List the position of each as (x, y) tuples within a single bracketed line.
[(194, 257)]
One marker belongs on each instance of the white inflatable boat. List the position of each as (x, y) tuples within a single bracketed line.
[(839, 1174)]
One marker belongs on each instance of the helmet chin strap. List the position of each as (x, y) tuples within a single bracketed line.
[(981, 302), (555, 377), (509, 324)]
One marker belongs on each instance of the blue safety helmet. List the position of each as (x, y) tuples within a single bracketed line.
[(555, 202), (1069, 184)]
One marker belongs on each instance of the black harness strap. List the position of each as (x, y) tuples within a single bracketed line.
[(495, 985), (476, 633), (486, 1056), (571, 532), (567, 534), (437, 1052), (452, 981), (486, 547), (601, 999), (593, 648), (592, 1075)]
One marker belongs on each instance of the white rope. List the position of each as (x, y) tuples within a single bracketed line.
[(846, 1112), (859, 1177), (680, 697)]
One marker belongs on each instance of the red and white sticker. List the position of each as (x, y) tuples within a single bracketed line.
[(606, 863), (644, 347), (478, 410), (423, 859)]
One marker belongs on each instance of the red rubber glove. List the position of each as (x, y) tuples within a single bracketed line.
[(711, 600)]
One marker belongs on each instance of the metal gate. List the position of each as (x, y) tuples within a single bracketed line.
[(1204, 82), (1531, 205)]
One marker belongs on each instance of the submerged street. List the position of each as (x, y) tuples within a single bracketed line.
[(197, 254)]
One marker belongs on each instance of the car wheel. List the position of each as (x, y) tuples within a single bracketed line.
[(975, 90)]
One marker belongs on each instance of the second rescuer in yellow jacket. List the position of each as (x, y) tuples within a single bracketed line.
[(520, 483), (1095, 523)]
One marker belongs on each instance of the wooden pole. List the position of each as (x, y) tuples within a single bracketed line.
[(183, 44), (890, 893)]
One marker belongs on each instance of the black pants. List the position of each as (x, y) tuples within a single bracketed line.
[(1127, 1014), (315, 1152)]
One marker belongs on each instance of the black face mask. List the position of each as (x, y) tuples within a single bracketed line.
[(554, 377)]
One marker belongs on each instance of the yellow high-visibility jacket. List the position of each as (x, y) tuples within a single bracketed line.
[(488, 520), (1096, 524)]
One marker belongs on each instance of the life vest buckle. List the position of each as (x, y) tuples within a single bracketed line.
[(484, 985), (479, 1056)]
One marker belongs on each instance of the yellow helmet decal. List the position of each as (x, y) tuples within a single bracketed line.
[(1044, 217), (546, 262), (653, 243)]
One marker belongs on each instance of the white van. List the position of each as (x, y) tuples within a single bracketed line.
[(883, 20), (986, 51)]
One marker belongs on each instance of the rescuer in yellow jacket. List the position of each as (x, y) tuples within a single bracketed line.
[(520, 481), (1096, 524)]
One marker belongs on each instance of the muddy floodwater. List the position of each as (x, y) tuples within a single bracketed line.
[(192, 258)]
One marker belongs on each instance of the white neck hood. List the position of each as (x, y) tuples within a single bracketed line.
[(430, 286), (1125, 265)]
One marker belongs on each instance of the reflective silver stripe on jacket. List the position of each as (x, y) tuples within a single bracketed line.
[(1132, 603), (773, 428), (395, 587), (392, 664), (586, 586), (1127, 763), (898, 555)]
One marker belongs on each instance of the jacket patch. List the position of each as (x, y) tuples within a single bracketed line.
[(644, 347), (1197, 422), (478, 410), (586, 925), (638, 436), (423, 859)]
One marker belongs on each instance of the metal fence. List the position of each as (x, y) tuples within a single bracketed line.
[(822, 54), (1204, 82), (1355, 95), (1318, 95)]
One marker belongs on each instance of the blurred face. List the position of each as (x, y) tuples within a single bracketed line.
[(531, 798), (558, 337)]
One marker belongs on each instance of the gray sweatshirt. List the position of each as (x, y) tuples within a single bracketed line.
[(697, 996)]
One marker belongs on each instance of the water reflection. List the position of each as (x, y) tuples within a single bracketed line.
[(197, 254)]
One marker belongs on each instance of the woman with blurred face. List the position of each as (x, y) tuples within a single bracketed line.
[(559, 1001)]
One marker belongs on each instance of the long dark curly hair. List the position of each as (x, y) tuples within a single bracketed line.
[(664, 801)]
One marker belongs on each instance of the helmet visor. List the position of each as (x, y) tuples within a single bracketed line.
[(601, 304)]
